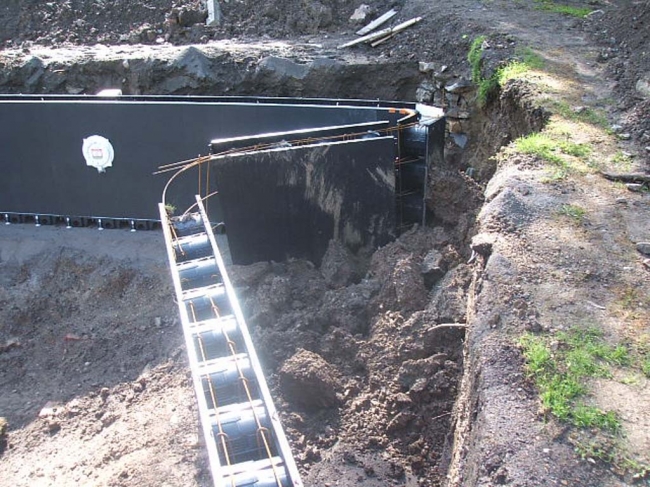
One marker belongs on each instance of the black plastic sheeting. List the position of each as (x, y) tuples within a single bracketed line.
[(290, 202)]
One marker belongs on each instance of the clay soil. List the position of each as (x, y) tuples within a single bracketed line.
[(371, 390)]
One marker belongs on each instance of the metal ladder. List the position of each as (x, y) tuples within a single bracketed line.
[(246, 444)]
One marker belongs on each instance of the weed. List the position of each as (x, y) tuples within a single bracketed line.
[(550, 6), (475, 56), (622, 160), (529, 57), (645, 365), (551, 148), (562, 376), (591, 417), (603, 450), (526, 61), (573, 211), (575, 150), (639, 470)]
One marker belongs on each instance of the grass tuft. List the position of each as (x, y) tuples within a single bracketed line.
[(550, 6), (561, 374), (475, 56), (573, 211), (526, 61)]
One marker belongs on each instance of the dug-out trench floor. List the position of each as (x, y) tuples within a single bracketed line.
[(95, 386)]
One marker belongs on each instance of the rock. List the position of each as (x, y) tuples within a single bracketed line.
[(625, 136), (433, 268), (50, 409), (646, 263), (635, 187), (459, 139), (194, 62), (482, 244), (283, 67), (9, 344), (455, 127), (449, 301), (643, 86), (460, 86), (361, 14), (455, 112), (338, 266), (425, 67), (187, 17), (643, 247), (32, 71), (309, 380), (424, 92), (616, 128)]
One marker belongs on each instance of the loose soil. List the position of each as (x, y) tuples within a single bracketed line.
[(371, 389)]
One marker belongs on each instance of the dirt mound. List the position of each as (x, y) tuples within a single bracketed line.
[(157, 21), (624, 34)]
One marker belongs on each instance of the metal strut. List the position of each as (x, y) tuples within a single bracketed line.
[(246, 443)]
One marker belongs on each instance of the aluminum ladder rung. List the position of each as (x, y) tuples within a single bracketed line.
[(228, 322)]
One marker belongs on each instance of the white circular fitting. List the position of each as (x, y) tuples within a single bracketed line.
[(98, 152)]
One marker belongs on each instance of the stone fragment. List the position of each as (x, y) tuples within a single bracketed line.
[(625, 136), (51, 408), (433, 268), (455, 112), (482, 244), (643, 247), (643, 86), (424, 92), (461, 86), (459, 139), (455, 127), (635, 187), (425, 67), (187, 17), (361, 14)]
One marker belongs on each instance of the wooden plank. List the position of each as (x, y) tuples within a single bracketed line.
[(377, 22), (382, 33)]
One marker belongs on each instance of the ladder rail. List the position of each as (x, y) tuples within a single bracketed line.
[(232, 455)]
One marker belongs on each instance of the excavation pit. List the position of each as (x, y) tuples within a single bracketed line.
[(363, 374)]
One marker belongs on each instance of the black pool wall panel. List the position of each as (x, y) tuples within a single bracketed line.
[(290, 202), (43, 171)]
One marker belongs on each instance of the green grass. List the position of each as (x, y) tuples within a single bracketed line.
[(526, 60), (561, 374), (550, 6), (553, 150), (573, 211), (590, 115), (475, 56), (645, 365), (622, 161)]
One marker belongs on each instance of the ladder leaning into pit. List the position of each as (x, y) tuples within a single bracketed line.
[(246, 443)]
